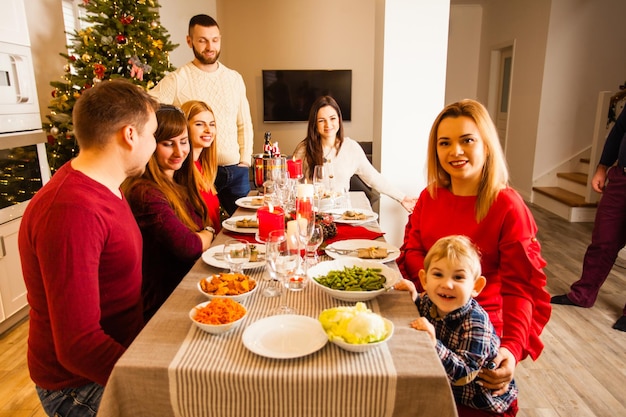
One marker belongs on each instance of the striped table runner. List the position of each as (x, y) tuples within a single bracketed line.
[(215, 375)]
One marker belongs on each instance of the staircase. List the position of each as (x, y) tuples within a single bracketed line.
[(567, 190), (566, 198)]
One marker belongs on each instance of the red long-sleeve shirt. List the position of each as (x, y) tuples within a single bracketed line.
[(80, 249), (514, 297)]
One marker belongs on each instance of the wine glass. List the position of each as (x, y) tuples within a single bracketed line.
[(236, 253), (283, 261), (274, 238), (319, 180), (316, 239)]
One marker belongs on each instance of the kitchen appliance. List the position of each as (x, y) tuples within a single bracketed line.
[(23, 160)]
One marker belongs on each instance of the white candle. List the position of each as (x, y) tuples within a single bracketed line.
[(305, 191), (292, 226)]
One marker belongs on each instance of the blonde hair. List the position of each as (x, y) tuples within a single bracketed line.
[(458, 249), (495, 174), (208, 157)]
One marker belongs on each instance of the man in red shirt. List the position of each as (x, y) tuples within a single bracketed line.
[(80, 249)]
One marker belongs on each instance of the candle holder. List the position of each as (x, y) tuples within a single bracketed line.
[(270, 218), (294, 167)]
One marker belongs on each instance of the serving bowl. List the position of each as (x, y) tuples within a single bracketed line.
[(214, 328), (364, 347), (236, 297), (323, 268)]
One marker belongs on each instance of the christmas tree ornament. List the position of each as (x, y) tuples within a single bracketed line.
[(86, 57), (121, 39), (54, 130)]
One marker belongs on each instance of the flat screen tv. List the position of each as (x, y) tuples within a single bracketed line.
[(289, 94)]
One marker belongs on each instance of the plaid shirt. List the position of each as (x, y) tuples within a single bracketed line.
[(466, 342)]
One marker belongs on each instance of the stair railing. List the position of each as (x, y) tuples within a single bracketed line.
[(599, 136)]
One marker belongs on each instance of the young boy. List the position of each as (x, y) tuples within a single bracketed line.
[(460, 329)]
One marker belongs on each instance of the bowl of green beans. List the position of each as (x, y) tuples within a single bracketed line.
[(353, 279)]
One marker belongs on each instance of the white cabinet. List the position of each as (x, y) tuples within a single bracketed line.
[(12, 288), (13, 25)]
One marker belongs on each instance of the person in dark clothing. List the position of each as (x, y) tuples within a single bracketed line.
[(609, 231)]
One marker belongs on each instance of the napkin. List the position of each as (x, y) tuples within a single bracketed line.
[(346, 231), (249, 237)]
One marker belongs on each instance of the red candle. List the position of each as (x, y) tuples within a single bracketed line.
[(304, 208), (270, 219), (294, 167)]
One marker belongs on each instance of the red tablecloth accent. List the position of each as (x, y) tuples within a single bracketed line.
[(249, 237), (346, 231)]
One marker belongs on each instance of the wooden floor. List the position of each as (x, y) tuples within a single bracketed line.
[(581, 373)]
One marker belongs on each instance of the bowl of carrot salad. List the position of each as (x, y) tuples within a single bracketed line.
[(218, 315)]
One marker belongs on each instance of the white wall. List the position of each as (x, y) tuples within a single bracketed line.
[(175, 15), (288, 34), (463, 52), (413, 88), (585, 54)]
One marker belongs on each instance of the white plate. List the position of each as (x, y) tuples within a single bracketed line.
[(353, 244), (323, 268), (285, 336), (246, 202), (370, 216), (214, 256), (231, 224)]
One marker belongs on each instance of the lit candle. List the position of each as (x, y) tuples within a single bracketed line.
[(294, 167), (270, 219), (305, 190), (304, 201)]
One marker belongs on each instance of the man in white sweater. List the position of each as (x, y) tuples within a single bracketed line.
[(223, 89)]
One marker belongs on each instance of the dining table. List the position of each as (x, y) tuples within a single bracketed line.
[(173, 368)]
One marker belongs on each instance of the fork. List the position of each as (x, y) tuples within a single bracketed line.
[(341, 251)]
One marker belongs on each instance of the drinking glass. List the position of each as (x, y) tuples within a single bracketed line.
[(316, 239), (319, 181), (283, 261), (236, 253), (305, 227), (274, 238)]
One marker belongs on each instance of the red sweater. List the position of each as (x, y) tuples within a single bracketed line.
[(515, 295), (80, 249), (212, 203)]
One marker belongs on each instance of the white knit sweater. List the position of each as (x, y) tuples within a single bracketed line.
[(351, 160), (225, 92)]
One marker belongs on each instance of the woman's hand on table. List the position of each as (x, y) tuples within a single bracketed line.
[(498, 379), (409, 203)]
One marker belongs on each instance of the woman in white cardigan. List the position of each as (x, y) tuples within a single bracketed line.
[(325, 144)]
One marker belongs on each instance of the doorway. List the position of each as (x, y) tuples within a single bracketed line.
[(501, 77)]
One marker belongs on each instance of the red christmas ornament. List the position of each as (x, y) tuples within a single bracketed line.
[(72, 58), (126, 19), (99, 70), (121, 39), (54, 93)]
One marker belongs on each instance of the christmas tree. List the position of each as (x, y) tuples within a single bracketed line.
[(123, 39)]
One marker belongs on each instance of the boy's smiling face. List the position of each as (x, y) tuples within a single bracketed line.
[(450, 285)]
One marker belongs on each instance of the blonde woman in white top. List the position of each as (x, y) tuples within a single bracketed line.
[(325, 144)]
